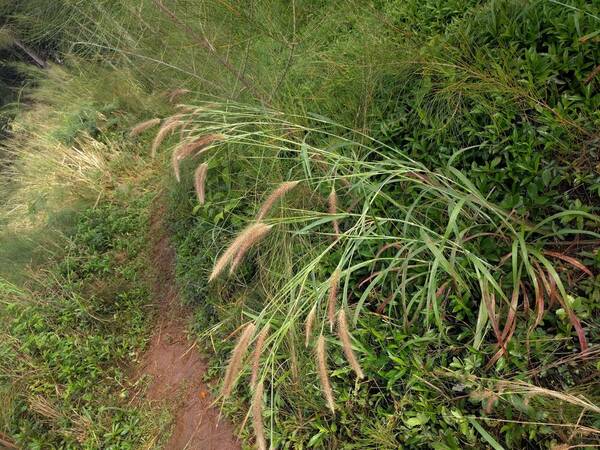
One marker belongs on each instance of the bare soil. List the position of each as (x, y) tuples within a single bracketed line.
[(174, 364)]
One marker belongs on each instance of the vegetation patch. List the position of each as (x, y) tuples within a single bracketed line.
[(74, 283), (384, 212), (69, 339)]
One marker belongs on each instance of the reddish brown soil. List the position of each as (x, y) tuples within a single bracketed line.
[(174, 364)]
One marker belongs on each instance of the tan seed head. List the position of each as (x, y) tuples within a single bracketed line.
[(187, 148), (308, 326), (165, 130), (257, 420), (176, 93), (200, 181), (334, 283), (332, 201), (249, 236), (258, 350), (281, 190), (235, 363), (344, 335), (141, 127), (322, 369)]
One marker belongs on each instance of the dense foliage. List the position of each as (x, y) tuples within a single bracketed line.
[(461, 140)]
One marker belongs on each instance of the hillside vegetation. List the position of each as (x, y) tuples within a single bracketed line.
[(385, 216)]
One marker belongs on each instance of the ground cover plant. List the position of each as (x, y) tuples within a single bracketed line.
[(68, 347), (74, 284), (385, 212)]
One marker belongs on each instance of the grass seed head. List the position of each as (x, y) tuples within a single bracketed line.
[(257, 421), (334, 284), (260, 345), (245, 246), (322, 369), (250, 235), (200, 182), (187, 148), (344, 335), (165, 130), (184, 109), (235, 363), (174, 118), (143, 126), (332, 202), (174, 95), (281, 190), (308, 326)]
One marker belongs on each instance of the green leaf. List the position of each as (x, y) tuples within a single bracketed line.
[(421, 419), (316, 439), (305, 160), (485, 435)]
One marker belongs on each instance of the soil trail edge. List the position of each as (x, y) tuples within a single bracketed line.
[(174, 364)]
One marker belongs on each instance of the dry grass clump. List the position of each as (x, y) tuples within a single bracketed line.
[(344, 335), (81, 427), (187, 148), (260, 345), (43, 407), (251, 235), (168, 127), (322, 369), (334, 283), (504, 387), (235, 363), (200, 182), (143, 126), (283, 188), (257, 421)]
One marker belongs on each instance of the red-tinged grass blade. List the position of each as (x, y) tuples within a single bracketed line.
[(440, 291), (507, 333), (576, 324), (561, 296), (572, 317), (509, 328), (376, 274), (381, 308), (573, 261), (385, 247), (552, 289), (539, 300), (512, 313), (501, 351), (525, 299), (490, 304)]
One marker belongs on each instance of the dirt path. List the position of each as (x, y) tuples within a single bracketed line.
[(174, 364)]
